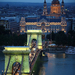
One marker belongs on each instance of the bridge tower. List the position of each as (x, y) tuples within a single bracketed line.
[(34, 34), (19, 54)]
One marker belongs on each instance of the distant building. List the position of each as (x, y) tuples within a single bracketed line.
[(5, 23), (10, 23), (55, 21), (69, 24), (45, 8), (14, 26), (73, 25), (55, 8), (7, 6), (22, 25)]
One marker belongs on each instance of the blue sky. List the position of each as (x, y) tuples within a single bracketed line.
[(39, 1)]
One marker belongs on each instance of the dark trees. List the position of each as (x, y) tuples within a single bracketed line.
[(61, 38)]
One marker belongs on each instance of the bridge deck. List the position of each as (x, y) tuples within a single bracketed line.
[(34, 60)]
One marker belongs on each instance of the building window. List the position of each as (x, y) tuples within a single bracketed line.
[(47, 24), (38, 24), (43, 24)]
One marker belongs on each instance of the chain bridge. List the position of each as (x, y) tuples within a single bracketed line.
[(20, 60)]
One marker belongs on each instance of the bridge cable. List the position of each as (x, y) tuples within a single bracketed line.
[(37, 43), (21, 65), (29, 40), (7, 65)]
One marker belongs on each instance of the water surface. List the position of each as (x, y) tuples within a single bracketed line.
[(57, 64), (1, 62)]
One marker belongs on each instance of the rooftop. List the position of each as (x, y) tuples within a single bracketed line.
[(55, 2)]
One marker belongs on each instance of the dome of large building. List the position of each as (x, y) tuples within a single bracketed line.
[(55, 2)]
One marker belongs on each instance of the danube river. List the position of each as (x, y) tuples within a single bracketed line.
[(57, 64)]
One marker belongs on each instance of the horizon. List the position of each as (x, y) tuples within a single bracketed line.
[(33, 2), (39, 1)]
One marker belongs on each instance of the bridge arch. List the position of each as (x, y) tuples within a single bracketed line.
[(18, 54), (16, 68), (34, 34)]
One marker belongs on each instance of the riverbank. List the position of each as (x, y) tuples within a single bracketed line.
[(55, 49)]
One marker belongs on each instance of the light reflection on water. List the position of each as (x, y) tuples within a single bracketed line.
[(42, 72), (57, 64)]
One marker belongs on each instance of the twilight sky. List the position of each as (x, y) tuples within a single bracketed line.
[(39, 1)]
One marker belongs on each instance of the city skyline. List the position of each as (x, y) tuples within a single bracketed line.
[(39, 1)]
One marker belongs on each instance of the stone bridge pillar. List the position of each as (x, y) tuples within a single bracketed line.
[(14, 54), (34, 34)]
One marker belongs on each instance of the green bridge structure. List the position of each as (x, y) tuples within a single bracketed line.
[(18, 56)]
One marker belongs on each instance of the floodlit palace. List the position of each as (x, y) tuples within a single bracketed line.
[(54, 21)]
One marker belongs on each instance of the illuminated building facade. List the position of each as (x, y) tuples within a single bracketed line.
[(55, 8), (62, 7), (22, 25), (55, 21)]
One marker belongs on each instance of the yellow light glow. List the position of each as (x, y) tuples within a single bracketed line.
[(66, 9), (62, 29), (63, 55), (65, 31), (43, 54), (20, 31), (55, 9), (39, 47), (31, 23), (57, 29), (17, 48), (44, 7), (55, 23), (22, 25), (34, 31), (63, 25)]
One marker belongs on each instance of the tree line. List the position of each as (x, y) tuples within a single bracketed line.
[(61, 38), (9, 39)]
